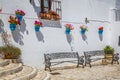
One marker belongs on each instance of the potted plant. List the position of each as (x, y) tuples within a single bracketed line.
[(68, 27), (37, 24), (100, 30), (19, 14), (10, 52), (83, 29), (109, 51), (13, 22)]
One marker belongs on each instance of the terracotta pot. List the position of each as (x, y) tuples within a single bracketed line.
[(7, 56)]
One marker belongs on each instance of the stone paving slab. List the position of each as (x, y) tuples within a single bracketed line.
[(97, 72)]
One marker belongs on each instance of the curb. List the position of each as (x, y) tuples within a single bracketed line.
[(11, 71), (28, 76), (4, 63)]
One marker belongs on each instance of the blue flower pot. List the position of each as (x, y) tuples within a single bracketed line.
[(19, 17), (100, 31), (83, 31), (12, 27), (67, 31), (37, 28)]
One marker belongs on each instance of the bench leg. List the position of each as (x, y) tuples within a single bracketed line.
[(90, 65), (45, 68), (117, 62), (82, 65), (77, 65), (49, 69), (85, 63)]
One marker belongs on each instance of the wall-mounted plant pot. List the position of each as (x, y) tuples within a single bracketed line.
[(67, 31), (19, 17), (100, 31), (12, 27), (83, 31), (37, 28)]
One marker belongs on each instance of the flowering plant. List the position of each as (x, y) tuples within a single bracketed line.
[(53, 12), (20, 12), (100, 28), (38, 23), (83, 27), (69, 26), (13, 20)]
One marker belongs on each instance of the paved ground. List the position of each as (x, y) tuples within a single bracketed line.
[(97, 72)]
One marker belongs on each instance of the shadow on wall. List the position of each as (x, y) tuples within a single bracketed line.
[(69, 40), (101, 37), (23, 27), (1, 26), (17, 36), (84, 38), (36, 9), (40, 36)]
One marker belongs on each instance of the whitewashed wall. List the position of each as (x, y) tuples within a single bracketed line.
[(52, 39), (114, 31)]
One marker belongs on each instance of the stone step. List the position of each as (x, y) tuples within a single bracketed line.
[(4, 62), (41, 75), (25, 74), (10, 69)]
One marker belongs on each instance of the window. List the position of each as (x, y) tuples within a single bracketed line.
[(45, 6), (50, 9)]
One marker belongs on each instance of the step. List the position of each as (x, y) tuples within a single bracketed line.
[(4, 62), (28, 76), (42, 75), (10, 69), (25, 74)]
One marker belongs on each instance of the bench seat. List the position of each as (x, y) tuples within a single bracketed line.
[(52, 59)]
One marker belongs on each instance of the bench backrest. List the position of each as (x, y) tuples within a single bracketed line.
[(61, 55), (94, 53)]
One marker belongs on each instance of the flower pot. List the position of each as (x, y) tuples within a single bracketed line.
[(83, 31), (100, 31), (108, 55), (67, 31), (37, 28), (12, 27), (19, 17)]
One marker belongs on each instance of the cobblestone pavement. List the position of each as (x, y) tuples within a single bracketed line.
[(97, 72)]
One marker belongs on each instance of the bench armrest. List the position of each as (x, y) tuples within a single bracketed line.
[(116, 56), (88, 59), (81, 59)]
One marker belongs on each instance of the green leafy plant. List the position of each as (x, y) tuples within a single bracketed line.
[(108, 50), (10, 52)]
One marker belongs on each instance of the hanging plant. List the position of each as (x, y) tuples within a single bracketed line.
[(37, 24), (13, 22), (68, 27), (83, 29), (100, 30), (19, 14)]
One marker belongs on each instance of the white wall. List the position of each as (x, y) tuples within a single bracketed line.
[(114, 31), (52, 39)]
